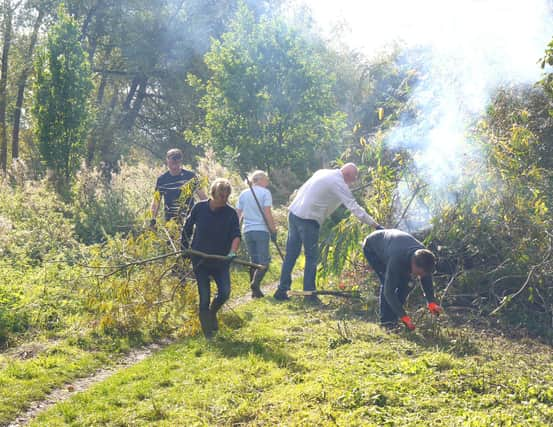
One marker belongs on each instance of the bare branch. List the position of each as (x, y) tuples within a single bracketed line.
[(449, 284), (510, 297), (117, 268), (419, 188)]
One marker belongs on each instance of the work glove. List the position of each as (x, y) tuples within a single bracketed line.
[(231, 255), (434, 308), (408, 323), (274, 236)]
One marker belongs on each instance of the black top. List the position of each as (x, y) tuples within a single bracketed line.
[(170, 186), (395, 248), (213, 230)]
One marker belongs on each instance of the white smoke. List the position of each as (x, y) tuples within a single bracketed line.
[(472, 47)]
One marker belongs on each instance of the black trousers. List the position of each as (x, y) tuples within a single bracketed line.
[(387, 315)]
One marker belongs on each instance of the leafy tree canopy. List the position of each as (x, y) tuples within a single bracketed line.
[(269, 102)]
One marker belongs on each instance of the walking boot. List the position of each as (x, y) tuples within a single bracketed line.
[(281, 295), (213, 319), (256, 284), (206, 323)]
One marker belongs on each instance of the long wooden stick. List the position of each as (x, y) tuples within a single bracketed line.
[(224, 258), (419, 188), (184, 252), (345, 294)]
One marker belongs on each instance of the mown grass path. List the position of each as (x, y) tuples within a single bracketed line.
[(54, 365), (291, 364), (58, 395), (136, 355)]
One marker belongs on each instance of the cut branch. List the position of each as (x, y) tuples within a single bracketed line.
[(449, 284), (510, 297), (117, 268)]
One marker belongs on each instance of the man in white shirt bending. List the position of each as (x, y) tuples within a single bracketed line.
[(317, 198)]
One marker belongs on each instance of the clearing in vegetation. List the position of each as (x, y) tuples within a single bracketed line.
[(296, 364)]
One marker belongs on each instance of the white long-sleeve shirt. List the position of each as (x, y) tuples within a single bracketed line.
[(321, 194)]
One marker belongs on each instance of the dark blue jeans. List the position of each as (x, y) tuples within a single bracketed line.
[(258, 246), (221, 275), (301, 232), (387, 315)]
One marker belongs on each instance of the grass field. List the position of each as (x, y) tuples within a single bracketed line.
[(292, 364), (50, 360)]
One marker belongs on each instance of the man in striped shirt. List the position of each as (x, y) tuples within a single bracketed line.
[(173, 184)]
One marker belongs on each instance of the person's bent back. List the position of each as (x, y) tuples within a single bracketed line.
[(396, 257)]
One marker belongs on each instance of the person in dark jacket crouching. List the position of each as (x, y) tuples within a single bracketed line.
[(213, 228), (396, 257)]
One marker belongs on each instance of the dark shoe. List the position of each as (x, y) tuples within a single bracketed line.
[(214, 322), (206, 324), (281, 295), (313, 300), (257, 276), (256, 292)]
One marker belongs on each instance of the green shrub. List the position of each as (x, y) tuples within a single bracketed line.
[(35, 224), (104, 208)]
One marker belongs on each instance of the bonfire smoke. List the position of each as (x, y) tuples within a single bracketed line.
[(470, 49)]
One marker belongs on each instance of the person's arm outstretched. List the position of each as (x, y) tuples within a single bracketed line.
[(347, 199)]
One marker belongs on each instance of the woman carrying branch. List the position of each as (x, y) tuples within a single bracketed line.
[(257, 230), (213, 228)]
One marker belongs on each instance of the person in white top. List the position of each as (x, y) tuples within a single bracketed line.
[(255, 230), (316, 199)]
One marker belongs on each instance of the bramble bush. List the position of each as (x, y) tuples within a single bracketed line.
[(496, 234), (37, 234), (11, 319)]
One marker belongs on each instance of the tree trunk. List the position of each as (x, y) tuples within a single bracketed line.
[(4, 83), (22, 83), (95, 12), (130, 95), (92, 138), (105, 139), (130, 118)]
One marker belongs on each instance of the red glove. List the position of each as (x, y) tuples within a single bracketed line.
[(434, 308), (407, 321)]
